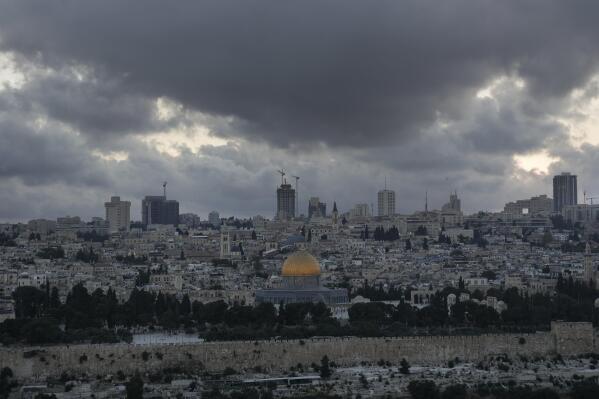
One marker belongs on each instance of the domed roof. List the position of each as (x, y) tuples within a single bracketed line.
[(300, 264)]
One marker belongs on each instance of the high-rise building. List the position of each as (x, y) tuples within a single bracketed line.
[(386, 202), (454, 204), (316, 208), (118, 214), (285, 202), (214, 219), (540, 205), (156, 209), (191, 220), (565, 191), (360, 210)]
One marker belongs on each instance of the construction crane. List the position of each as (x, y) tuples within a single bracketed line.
[(591, 198), (296, 194), (282, 173), (588, 198)]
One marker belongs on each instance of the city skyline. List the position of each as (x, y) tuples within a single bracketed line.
[(299, 200), (299, 212), (403, 102)]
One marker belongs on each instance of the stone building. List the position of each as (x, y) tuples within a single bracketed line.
[(301, 283)]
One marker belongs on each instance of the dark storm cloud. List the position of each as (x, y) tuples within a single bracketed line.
[(341, 72), (352, 90), (45, 154), (90, 105)]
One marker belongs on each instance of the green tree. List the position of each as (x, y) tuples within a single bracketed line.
[(325, 369), (135, 387), (42, 331), (585, 390), (54, 298), (404, 366), (456, 391), (423, 389), (185, 305), (29, 302), (6, 384)]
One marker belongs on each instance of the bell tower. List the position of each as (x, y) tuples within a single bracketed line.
[(589, 269)]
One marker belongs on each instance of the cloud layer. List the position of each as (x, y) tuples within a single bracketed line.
[(438, 96)]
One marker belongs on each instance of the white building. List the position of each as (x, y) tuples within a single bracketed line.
[(583, 213), (118, 214), (360, 210)]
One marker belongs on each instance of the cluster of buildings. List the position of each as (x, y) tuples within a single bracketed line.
[(325, 257), (334, 257)]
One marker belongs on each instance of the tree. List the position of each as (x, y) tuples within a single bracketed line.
[(254, 236), (6, 384), (87, 256), (585, 390), (456, 391), (404, 366), (425, 244), (29, 302), (489, 275), (424, 389), (135, 387), (142, 278), (185, 305), (42, 331), (408, 244), (325, 370)]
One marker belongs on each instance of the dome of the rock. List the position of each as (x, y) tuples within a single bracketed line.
[(300, 264)]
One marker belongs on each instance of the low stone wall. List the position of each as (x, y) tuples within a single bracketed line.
[(568, 339)]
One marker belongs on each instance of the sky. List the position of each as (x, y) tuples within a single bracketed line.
[(113, 97)]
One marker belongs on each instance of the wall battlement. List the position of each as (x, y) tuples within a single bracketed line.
[(566, 339)]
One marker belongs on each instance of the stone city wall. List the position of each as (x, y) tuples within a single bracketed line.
[(567, 339)]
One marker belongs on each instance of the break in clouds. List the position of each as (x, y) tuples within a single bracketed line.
[(113, 97)]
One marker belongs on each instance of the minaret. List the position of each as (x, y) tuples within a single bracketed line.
[(589, 271)]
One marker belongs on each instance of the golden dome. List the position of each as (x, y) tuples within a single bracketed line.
[(300, 264)]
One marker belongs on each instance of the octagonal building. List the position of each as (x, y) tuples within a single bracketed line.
[(301, 283)]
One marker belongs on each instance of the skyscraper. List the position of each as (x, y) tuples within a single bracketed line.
[(565, 191), (386, 202), (316, 208), (118, 214), (156, 209), (285, 202), (214, 219), (360, 210)]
